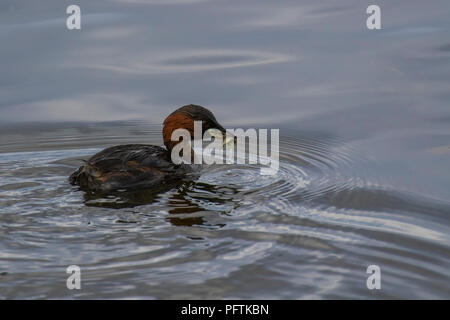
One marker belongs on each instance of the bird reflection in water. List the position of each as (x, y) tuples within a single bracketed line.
[(184, 203)]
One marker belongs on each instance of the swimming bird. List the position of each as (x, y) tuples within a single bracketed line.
[(142, 166)]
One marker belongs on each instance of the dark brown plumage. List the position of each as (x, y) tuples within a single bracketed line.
[(139, 166)]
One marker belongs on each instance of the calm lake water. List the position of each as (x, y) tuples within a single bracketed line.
[(364, 178)]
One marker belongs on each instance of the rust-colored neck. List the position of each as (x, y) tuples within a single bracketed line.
[(173, 122)]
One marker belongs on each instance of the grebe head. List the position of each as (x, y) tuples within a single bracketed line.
[(184, 117)]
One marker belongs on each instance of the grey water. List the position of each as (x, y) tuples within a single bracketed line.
[(364, 177)]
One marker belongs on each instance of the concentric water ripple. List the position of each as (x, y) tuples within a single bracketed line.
[(308, 170)]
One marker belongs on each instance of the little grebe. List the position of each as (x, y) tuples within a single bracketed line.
[(141, 166)]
